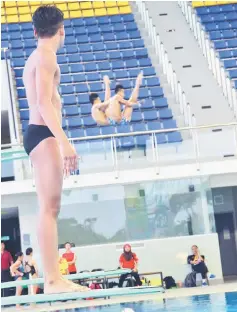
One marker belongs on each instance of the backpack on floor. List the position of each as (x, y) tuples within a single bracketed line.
[(169, 282), (190, 280)]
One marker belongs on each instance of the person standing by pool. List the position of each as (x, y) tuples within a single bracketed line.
[(129, 260), (18, 271), (6, 262), (31, 268), (71, 258)]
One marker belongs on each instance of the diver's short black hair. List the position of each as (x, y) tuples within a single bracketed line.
[(118, 88), (29, 251), (93, 97), (47, 20)]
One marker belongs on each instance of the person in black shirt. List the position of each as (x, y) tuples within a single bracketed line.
[(197, 262)]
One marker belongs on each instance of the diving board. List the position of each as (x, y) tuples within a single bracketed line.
[(143, 290), (80, 276)]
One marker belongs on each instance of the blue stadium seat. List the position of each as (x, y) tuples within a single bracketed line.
[(13, 35), (70, 40), (84, 48), (24, 124), (90, 67), (30, 43), (29, 34), (5, 44), (154, 125), (77, 22), (127, 18), (174, 137), (152, 82), (88, 121), (118, 27), (74, 122), (76, 68), (107, 73), (66, 79), (95, 47), (76, 133), (64, 69), (93, 131), (138, 43), (95, 38), (121, 35), (150, 115), (115, 19), (127, 54), (93, 76), (81, 88), (120, 74), (103, 20), (24, 114), (123, 45), (90, 21), (127, 142), (123, 129), (29, 51), (149, 71), (156, 92), (108, 37), (93, 30), (15, 44), (61, 51), (107, 130), (25, 26), (23, 103), (131, 63), (21, 93), (143, 94), (18, 62), (233, 74), (74, 58), (103, 66), (86, 109), (69, 31), (165, 113), (19, 83), (79, 78), (71, 110), (70, 49), (83, 99), (161, 138), (3, 27), (148, 104), (14, 27), (230, 64), (136, 117), (131, 26), (142, 140), (17, 53), (138, 127), (82, 39), (160, 102), (125, 83), (134, 34), (169, 124), (96, 87), (100, 56), (69, 100), (106, 28), (67, 89), (62, 59), (114, 55), (144, 62), (235, 84), (101, 95), (141, 53), (117, 65), (18, 72)]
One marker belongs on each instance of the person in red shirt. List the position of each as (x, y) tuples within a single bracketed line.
[(129, 260), (71, 259), (6, 262)]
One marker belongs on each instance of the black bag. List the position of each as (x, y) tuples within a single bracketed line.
[(190, 280), (169, 282)]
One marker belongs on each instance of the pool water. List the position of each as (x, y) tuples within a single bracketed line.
[(226, 302)]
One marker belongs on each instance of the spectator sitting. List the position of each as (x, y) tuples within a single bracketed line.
[(197, 262), (63, 266), (71, 259), (129, 260)]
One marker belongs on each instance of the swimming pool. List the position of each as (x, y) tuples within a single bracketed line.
[(226, 302)]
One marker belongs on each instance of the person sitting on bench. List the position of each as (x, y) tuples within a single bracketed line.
[(129, 260), (197, 262)]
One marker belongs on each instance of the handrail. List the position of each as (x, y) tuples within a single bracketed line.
[(118, 135)]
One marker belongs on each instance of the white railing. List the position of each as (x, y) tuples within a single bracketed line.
[(165, 63), (214, 62)]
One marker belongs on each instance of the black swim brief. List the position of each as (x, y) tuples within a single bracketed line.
[(33, 135)]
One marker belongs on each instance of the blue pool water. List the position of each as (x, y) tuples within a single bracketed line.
[(226, 302)]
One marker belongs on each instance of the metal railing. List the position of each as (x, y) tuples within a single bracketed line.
[(208, 49), (154, 146), (166, 64)]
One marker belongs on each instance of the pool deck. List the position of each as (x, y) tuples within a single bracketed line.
[(173, 293)]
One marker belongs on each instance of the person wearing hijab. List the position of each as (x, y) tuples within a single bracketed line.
[(129, 260)]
